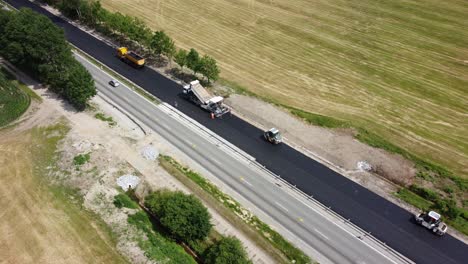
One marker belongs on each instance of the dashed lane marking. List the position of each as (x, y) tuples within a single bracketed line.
[(248, 183), (282, 207)]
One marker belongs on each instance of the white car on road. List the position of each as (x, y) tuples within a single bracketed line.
[(114, 83)]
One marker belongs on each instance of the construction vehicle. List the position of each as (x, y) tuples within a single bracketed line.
[(130, 57), (273, 136), (431, 221), (196, 93)]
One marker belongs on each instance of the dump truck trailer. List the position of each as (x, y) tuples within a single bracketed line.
[(196, 93), (130, 57)]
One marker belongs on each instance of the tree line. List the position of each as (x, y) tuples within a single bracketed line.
[(33, 43), (158, 43)]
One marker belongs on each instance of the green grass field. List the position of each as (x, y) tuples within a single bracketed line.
[(14, 99), (396, 68)]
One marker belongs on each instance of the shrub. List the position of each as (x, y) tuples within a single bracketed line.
[(448, 189), (448, 208), (122, 200), (81, 159), (227, 250), (425, 193), (156, 246), (185, 217), (414, 199)]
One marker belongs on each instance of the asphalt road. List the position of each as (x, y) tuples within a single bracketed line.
[(334, 244), (383, 219)]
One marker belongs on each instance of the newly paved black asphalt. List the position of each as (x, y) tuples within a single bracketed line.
[(386, 221)]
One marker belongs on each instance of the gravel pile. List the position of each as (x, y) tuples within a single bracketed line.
[(149, 152), (127, 181)]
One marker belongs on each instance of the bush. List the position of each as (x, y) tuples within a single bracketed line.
[(227, 250), (123, 200), (81, 159), (157, 247), (183, 215), (425, 193), (448, 208), (414, 199), (448, 189)]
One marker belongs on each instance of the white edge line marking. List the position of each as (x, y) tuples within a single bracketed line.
[(248, 183), (320, 233), (215, 161), (284, 208)]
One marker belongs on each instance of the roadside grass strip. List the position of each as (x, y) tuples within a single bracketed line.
[(426, 199), (105, 118), (14, 100), (123, 200), (262, 234)]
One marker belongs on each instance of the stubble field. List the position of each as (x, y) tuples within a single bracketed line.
[(38, 223), (397, 68)]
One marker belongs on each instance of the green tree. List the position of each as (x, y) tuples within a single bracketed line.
[(209, 68), (71, 8), (193, 61), (80, 86), (90, 12), (162, 44), (5, 17), (32, 42), (181, 58), (227, 250), (139, 32), (183, 215)]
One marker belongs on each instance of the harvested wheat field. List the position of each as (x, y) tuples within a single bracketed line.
[(398, 68), (38, 223)]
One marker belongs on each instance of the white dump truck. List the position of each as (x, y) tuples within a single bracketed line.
[(196, 93), (432, 221)]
